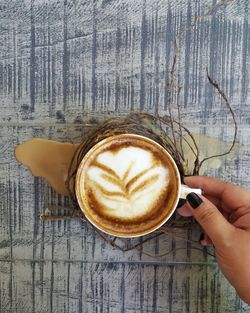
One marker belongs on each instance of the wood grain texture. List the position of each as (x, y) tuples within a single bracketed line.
[(64, 63), (106, 287)]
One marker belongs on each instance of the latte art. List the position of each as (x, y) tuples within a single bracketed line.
[(128, 182), (127, 185)]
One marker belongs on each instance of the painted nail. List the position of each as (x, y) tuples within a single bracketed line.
[(194, 200), (202, 237), (181, 203)]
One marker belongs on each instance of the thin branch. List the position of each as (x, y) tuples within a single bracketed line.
[(54, 218), (172, 84), (179, 120), (170, 98), (221, 92)]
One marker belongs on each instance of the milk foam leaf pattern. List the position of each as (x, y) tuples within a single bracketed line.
[(105, 168), (127, 190), (144, 184), (134, 179), (108, 193), (127, 172)]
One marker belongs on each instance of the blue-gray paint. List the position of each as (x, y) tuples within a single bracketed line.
[(66, 57), (32, 58), (117, 71), (144, 35), (94, 89)]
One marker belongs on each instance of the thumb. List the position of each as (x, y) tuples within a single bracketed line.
[(211, 220)]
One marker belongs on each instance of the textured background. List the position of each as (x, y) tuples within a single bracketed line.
[(67, 62)]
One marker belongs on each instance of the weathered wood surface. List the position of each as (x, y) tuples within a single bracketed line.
[(64, 62)]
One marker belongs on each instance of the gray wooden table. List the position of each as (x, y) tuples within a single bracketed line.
[(65, 62)]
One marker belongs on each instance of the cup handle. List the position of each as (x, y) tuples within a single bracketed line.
[(185, 190)]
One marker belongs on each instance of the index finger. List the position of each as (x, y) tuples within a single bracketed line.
[(229, 195)]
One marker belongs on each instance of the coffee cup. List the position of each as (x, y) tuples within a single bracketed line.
[(128, 185)]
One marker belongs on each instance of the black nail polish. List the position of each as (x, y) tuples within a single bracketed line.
[(194, 200), (202, 237), (181, 203)]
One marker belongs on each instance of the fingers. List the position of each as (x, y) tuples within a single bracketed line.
[(211, 220), (242, 222), (185, 210), (230, 196), (210, 185), (205, 240)]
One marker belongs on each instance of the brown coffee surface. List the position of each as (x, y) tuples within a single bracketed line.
[(127, 185)]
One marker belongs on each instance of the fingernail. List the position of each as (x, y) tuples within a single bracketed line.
[(181, 203), (202, 237), (194, 200)]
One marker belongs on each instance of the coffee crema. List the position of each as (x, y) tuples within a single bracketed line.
[(127, 185)]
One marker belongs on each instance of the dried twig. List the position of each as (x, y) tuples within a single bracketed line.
[(221, 92), (179, 120), (173, 86), (54, 218)]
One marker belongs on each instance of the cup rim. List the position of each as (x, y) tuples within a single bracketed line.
[(82, 203)]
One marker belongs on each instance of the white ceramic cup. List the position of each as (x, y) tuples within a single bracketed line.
[(183, 190)]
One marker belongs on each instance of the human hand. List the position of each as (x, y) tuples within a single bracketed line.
[(224, 214)]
